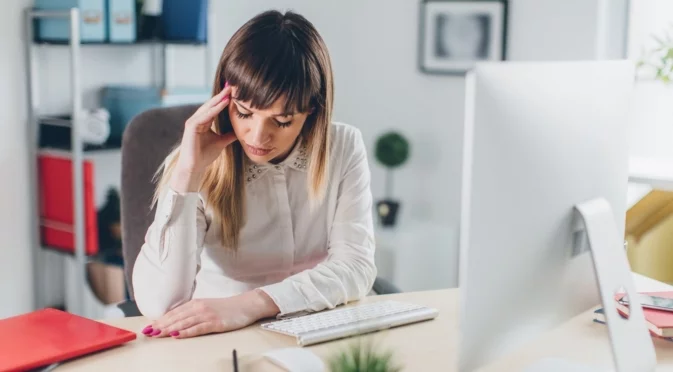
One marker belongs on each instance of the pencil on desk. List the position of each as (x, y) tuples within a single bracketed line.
[(235, 359)]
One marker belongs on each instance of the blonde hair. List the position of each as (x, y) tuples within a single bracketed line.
[(272, 56)]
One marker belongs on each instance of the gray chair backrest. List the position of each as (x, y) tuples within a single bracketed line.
[(147, 140)]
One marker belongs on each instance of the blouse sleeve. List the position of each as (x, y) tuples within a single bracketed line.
[(165, 269), (349, 271)]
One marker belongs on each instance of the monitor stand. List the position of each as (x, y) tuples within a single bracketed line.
[(632, 347)]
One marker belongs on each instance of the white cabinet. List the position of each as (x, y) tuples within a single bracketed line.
[(419, 256)]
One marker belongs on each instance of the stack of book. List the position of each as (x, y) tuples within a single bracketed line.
[(659, 322)]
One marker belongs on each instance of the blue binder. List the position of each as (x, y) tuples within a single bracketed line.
[(185, 20), (93, 15), (121, 21)]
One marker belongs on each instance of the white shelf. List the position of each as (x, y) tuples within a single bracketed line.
[(79, 301), (655, 172)]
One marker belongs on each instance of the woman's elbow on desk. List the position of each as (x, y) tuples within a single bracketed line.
[(152, 300), (151, 309), (156, 294)]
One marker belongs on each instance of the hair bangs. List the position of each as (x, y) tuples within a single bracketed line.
[(265, 72)]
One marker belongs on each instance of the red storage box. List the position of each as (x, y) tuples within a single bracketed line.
[(56, 203)]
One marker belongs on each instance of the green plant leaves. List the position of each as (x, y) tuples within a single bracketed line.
[(363, 357), (392, 149), (659, 61)]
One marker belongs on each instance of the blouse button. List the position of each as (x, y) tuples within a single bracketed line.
[(259, 171), (278, 167), (254, 176), (249, 179)]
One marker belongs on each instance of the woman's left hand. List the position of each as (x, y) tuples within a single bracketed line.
[(203, 316)]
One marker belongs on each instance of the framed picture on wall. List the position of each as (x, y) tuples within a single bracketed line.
[(455, 34)]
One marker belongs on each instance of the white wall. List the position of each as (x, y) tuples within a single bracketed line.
[(373, 44), (547, 30), (378, 86), (16, 276), (647, 18)]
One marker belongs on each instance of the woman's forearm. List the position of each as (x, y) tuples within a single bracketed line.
[(165, 269), (261, 304), (185, 181)]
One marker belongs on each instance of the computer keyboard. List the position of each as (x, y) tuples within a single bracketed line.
[(339, 323)]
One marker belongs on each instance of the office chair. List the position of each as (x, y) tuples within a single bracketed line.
[(147, 140)]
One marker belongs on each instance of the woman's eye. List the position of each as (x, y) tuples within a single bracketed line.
[(284, 124), (243, 116)]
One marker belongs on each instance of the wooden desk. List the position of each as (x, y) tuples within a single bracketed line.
[(579, 340), (427, 346)]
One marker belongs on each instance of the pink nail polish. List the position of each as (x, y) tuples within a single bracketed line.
[(226, 84), (174, 334), (156, 332), (148, 330)]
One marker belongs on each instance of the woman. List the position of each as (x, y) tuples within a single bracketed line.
[(264, 209)]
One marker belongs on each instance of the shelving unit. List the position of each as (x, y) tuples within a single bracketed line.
[(77, 150)]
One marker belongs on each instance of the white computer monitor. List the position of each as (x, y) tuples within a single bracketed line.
[(540, 138)]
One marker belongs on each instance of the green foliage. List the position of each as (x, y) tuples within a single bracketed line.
[(392, 149), (659, 61), (363, 357)]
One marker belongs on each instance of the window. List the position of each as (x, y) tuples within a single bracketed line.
[(648, 19)]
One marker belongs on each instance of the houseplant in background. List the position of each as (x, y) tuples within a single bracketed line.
[(392, 150), (657, 63)]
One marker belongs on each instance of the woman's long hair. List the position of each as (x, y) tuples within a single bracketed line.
[(273, 56)]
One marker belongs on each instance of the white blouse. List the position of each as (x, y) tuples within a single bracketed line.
[(305, 260)]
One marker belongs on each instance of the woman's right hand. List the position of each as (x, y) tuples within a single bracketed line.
[(200, 145)]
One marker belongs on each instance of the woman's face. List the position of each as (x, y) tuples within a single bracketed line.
[(265, 135)]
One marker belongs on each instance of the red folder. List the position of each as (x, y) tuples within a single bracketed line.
[(56, 203), (50, 336)]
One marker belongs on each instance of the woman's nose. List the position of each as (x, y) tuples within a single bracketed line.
[(260, 135)]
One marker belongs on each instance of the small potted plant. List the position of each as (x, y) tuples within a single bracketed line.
[(362, 356), (392, 150)]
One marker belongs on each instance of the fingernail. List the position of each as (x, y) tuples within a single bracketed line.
[(226, 84), (155, 333), (226, 96), (174, 334), (148, 330)]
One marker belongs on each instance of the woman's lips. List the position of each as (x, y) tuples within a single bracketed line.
[(257, 151)]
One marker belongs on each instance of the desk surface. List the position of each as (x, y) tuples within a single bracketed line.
[(427, 346), (422, 347)]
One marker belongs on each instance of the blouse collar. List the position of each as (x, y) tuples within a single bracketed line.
[(298, 159)]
